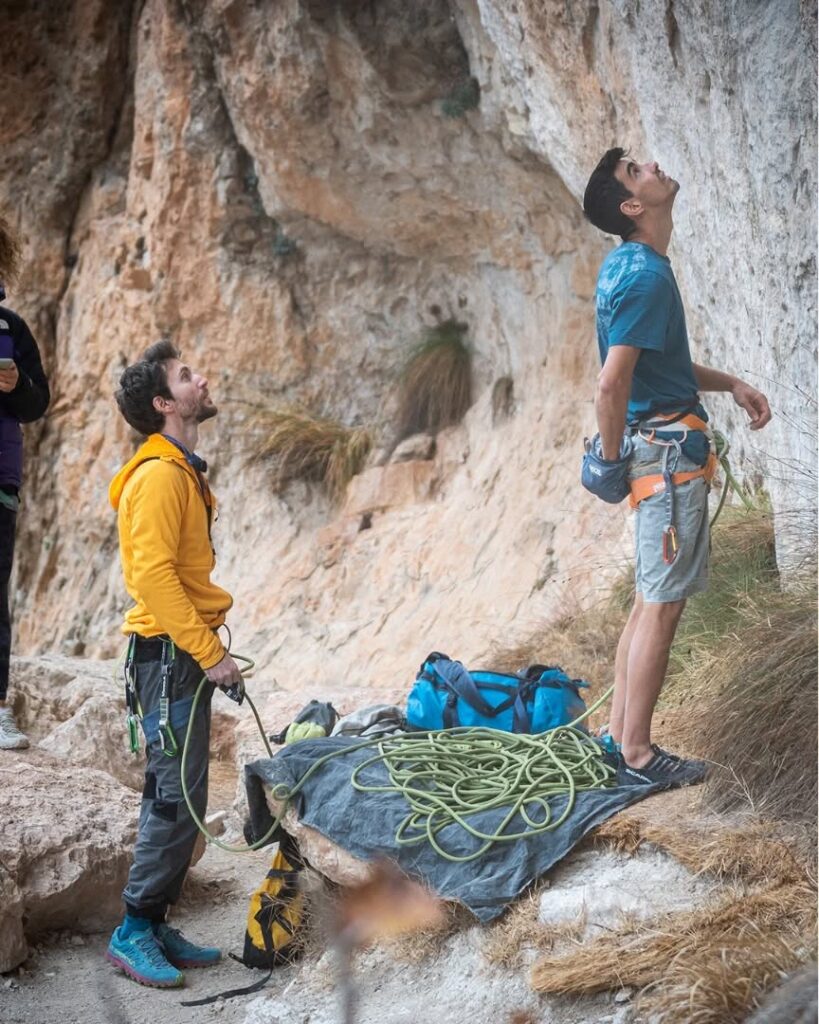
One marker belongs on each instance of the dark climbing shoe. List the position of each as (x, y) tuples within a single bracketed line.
[(141, 957), (182, 953), (676, 757), (663, 769)]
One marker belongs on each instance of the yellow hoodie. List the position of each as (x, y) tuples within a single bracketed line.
[(167, 556)]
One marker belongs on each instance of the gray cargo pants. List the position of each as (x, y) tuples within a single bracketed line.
[(167, 832)]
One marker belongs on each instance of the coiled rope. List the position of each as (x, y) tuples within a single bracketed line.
[(449, 776)]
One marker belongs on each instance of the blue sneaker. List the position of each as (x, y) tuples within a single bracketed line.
[(140, 956), (182, 953)]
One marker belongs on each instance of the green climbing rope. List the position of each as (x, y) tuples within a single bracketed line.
[(722, 447), (448, 775)]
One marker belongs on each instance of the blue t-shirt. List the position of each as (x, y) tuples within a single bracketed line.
[(639, 304)]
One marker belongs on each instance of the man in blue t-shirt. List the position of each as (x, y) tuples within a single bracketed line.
[(648, 377)]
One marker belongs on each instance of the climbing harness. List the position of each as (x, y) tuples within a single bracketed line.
[(667, 480)]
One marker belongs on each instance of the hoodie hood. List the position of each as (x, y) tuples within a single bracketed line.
[(155, 447)]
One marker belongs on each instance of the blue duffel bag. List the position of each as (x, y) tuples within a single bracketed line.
[(445, 695)]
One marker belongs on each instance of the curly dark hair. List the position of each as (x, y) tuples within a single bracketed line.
[(9, 252), (141, 383), (604, 194)]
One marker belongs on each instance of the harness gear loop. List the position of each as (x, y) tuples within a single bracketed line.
[(167, 740)]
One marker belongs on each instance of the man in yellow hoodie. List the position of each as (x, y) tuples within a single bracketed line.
[(166, 513)]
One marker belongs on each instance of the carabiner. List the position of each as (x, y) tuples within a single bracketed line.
[(670, 544), (167, 740)]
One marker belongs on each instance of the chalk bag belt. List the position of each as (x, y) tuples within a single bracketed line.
[(131, 700), (167, 740), (665, 482)]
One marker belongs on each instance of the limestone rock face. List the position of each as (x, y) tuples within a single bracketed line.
[(293, 192)]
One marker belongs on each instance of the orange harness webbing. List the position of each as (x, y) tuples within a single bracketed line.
[(646, 486)]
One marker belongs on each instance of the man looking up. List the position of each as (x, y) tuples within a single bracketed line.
[(165, 515), (649, 382)]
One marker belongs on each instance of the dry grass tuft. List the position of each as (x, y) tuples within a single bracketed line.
[(671, 948), (436, 388), (720, 986), (743, 574), (300, 446), (761, 721), (754, 854), (521, 1017), (519, 931)]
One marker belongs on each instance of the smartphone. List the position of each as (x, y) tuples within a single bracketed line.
[(6, 364)]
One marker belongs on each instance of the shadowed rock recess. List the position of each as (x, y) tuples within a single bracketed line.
[(294, 192)]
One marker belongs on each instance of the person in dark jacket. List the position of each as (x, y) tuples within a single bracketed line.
[(24, 397)]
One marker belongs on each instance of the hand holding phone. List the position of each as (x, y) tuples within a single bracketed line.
[(9, 375)]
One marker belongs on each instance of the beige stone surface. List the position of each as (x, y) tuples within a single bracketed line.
[(396, 485), (64, 846), (75, 710)]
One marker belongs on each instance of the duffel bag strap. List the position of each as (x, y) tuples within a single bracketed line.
[(459, 682), (521, 723)]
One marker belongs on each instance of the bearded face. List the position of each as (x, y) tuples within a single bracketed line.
[(189, 393)]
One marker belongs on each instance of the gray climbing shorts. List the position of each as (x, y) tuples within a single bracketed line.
[(688, 573)]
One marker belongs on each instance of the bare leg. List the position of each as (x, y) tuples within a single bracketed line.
[(618, 703), (647, 663)]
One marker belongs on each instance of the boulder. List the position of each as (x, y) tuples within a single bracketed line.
[(75, 710), (64, 848)]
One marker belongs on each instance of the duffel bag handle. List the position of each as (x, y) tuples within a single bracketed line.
[(430, 659), (535, 673)]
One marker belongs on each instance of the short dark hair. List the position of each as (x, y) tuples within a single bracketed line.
[(604, 194), (141, 383)]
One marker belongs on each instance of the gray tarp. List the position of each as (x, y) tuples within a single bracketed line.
[(365, 824)]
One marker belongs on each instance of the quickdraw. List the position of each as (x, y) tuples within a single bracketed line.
[(167, 740), (131, 700)]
